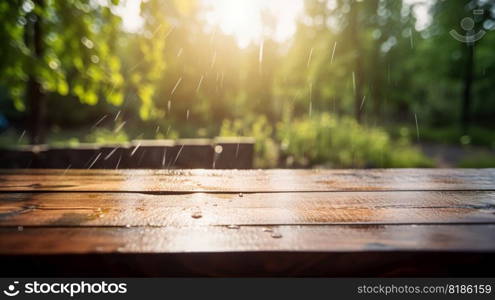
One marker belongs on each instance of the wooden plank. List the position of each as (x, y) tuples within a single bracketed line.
[(199, 209), (325, 238), (163, 181), (235, 152)]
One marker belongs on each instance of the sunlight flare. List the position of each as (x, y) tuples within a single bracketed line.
[(251, 20)]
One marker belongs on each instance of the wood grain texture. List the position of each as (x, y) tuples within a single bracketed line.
[(340, 238), (200, 209), (166, 181), (410, 222)]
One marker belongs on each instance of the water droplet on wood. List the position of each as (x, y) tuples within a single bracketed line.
[(218, 149), (197, 215)]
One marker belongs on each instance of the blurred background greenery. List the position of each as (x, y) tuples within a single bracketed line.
[(318, 83)]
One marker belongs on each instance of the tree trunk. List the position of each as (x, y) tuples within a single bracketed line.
[(376, 89), (468, 85), (358, 71), (37, 111), (35, 98)]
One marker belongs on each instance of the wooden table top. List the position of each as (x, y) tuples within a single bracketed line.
[(389, 222)]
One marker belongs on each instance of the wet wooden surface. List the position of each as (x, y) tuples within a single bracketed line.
[(403, 222), (167, 181)]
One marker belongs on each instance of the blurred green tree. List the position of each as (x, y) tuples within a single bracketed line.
[(59, 47)]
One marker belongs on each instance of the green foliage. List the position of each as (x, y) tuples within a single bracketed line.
[(348, 60), (325, 140), (342, 142), (102, 136), (266, 148), (453, 135), (78, 44), (11, 138), (478, 161)]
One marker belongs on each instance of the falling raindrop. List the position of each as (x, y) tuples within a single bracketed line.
[(118, 162), (310, 57), (176, 86), (168, 32), (99, 121), (119, 128), (116, 116), (66, 169), (241, 195), (199, 83), (128, 226), (135, 149), (354, 82), (362, 103), (94, 161), (333, 52), (187, 115), (197, 215), (111, 153), (178, 154), (20, 228), (21, 136), (164, 157)]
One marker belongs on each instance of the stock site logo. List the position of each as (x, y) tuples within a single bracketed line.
[(11, 290), (467, 24)]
